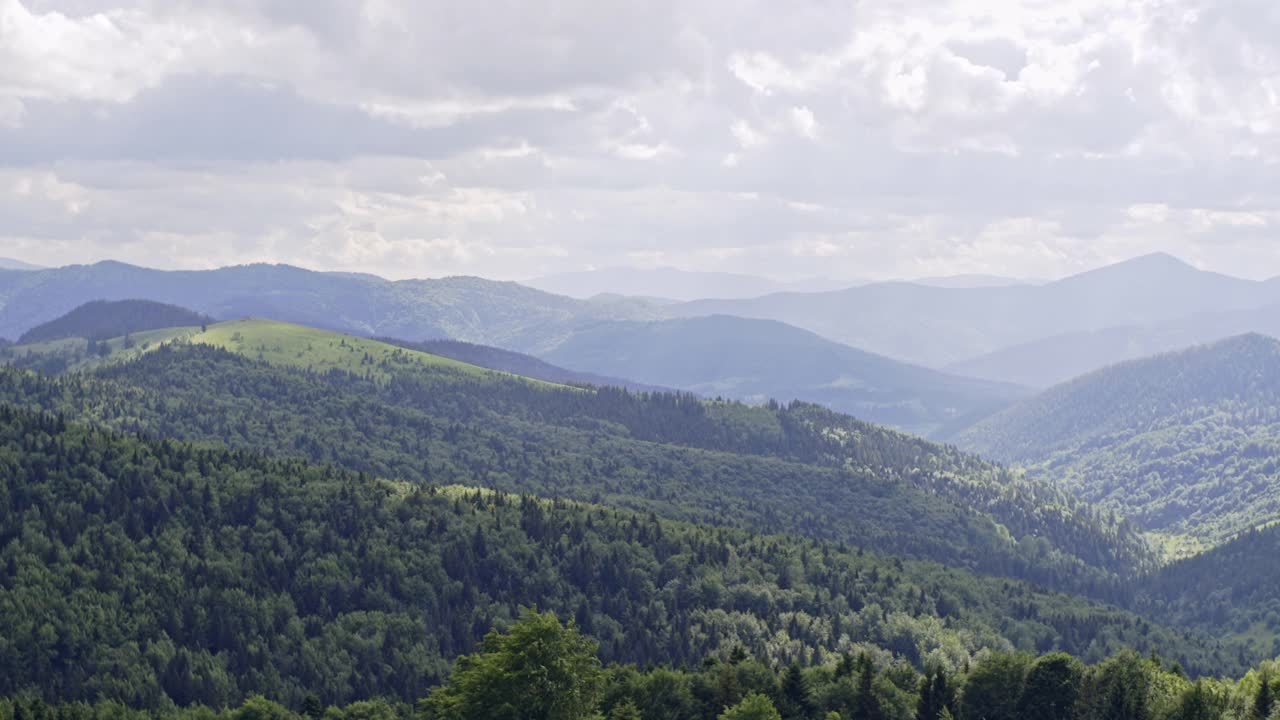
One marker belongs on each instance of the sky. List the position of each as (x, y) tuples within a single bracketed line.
[(509, 139)]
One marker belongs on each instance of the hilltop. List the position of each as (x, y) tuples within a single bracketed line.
[(103, 320)]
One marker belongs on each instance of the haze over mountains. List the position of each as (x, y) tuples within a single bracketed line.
[(12, 264), (865, 340), (756, 360), (941, 326), (684, 285), (674, 284)]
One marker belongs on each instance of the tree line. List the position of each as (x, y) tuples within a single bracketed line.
[(538, 668)]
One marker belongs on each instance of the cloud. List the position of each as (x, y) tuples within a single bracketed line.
[(516, 139)]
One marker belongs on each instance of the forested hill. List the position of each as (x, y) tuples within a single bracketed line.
[(1234, 588), (795, 468), (517, 363), (1185, 443), (152, 572), (102, 320), (754, 360)]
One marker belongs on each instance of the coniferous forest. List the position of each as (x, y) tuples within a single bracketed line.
[(260, 520)]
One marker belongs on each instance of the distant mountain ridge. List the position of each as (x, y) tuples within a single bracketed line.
[(1185, 444), (516, 318), (1060, 358), (13, 264), (938, 327), (461, 308), (680, 285), (755, 360)]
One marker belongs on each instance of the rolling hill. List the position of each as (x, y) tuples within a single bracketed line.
[(1185, 444), (797, 468), (518, 363), (103, 320), (755, 360), (936, 327)]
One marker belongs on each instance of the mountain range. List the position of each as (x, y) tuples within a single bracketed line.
[(945, 327), (672, 284), (1059, 358), (356, 513), (12, 264), (756, 360), (1006, 334), (751, 359)]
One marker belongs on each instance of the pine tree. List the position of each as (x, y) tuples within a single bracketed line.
[(795, 693), (1263, 700), (865, 705)]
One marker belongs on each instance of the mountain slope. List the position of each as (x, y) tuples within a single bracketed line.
[(797, 469), (469, 309), (102, 320), (518, 363), (154, 572), (757, 359), (1232, 588), (12, 264), (938, 326), (1060, 358), (1183, 443)]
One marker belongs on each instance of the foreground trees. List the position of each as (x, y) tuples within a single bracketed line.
[(541, 669)]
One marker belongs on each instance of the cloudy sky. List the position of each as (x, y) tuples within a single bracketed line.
[(510, 138)]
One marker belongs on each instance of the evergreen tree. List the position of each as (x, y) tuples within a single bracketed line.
[(795, 694), (1197, 703), (866, 706), (1263, 700)]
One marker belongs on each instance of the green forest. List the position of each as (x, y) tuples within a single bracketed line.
[(1184, 444), (538, 667), (227, 574), (797, 468), (259, 520)]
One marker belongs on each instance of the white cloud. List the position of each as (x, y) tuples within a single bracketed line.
[(803, 121), (747, 136), (857, 139)]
